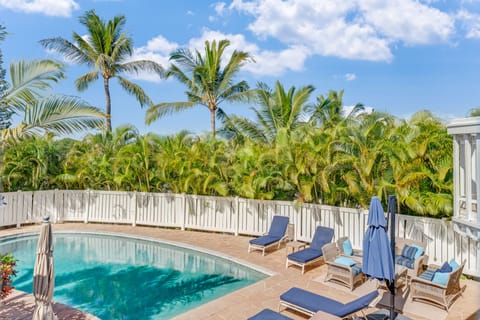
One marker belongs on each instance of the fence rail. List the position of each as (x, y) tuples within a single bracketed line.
[(231, 215)]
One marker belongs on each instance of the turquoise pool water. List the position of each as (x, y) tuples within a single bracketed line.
[(117, 277)]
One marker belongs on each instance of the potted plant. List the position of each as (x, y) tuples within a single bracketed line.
[(7, 272)]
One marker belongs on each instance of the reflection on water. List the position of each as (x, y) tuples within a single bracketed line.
[(122, 278)]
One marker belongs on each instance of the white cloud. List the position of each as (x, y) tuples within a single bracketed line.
[(219, 8), (62, 8), (408, 21), (158, 50), (357, 29), (266, 62), (350, 76), (471, 23)]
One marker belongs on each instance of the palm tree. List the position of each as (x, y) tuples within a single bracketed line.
[(209, 82), (55, 114), (281, 112), (40, 115), (108, 50), (329, 110)]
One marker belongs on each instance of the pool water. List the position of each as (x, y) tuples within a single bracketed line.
[(116, 277)]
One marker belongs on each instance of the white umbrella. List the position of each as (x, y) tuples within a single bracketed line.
[(43, 278)]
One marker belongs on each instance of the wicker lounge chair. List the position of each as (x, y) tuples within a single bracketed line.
[(310, 303), (313, 253), (356, 254), (414, 266), (275, 235), (337, 271), (437, 294)]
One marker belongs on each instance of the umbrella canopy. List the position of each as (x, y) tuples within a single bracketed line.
[(43, 278), (377, 255)]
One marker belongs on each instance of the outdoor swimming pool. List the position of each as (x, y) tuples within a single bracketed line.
[(118, 277)]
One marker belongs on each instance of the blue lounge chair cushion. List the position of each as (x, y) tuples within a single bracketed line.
[(314, 302), (265, 240), (356, 269), (427, 274), (445, 268), (441, 277), (419, 251), (278, 227), (345, 261), (347, 247), (401, 260), (305, 255), (454, 264), (321, 237), (267, 314), (409, 252)]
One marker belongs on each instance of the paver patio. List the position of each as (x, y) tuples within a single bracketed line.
[(247, 301)]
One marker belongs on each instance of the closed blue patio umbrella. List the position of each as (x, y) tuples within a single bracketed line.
[(377, 254)]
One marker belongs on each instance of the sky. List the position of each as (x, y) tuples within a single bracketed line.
[(395, 56)]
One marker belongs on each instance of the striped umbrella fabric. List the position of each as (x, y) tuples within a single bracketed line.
[(43, 276)]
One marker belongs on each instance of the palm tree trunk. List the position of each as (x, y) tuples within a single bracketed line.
[(108, 107), (212, 121)]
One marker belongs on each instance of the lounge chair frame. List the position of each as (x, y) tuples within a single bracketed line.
[(252, 247), (286, 304), (302, 265), (263, 248), (442, 296)]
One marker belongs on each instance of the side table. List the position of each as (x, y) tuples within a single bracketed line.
[(293, 246)]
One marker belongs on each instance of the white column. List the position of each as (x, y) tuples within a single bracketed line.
[(456, 176), (468, 175), (477, 174)]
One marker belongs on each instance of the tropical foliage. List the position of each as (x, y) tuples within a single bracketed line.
[(346, 164), (292, 149), (108, 50)]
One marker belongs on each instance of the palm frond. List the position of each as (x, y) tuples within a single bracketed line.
[(84, 81), (162, 109), (136, 91)]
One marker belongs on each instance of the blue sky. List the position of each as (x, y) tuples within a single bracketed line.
[(397, 56)]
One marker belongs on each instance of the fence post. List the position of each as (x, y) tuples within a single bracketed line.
[(236, 215), (18, 197), (134, 218), (184, 211), (85, 220)]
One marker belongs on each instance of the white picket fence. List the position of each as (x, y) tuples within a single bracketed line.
[(230, 215)]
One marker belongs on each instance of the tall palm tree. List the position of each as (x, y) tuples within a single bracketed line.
[(208, 80), (108, 50)]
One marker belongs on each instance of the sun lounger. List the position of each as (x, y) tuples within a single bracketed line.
[(275, 235), (313, 253), (309, 303), (268, 314)]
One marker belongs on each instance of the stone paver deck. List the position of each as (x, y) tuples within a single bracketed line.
[(245, 302)]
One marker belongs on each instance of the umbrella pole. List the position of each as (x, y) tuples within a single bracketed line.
[(391, 284)]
